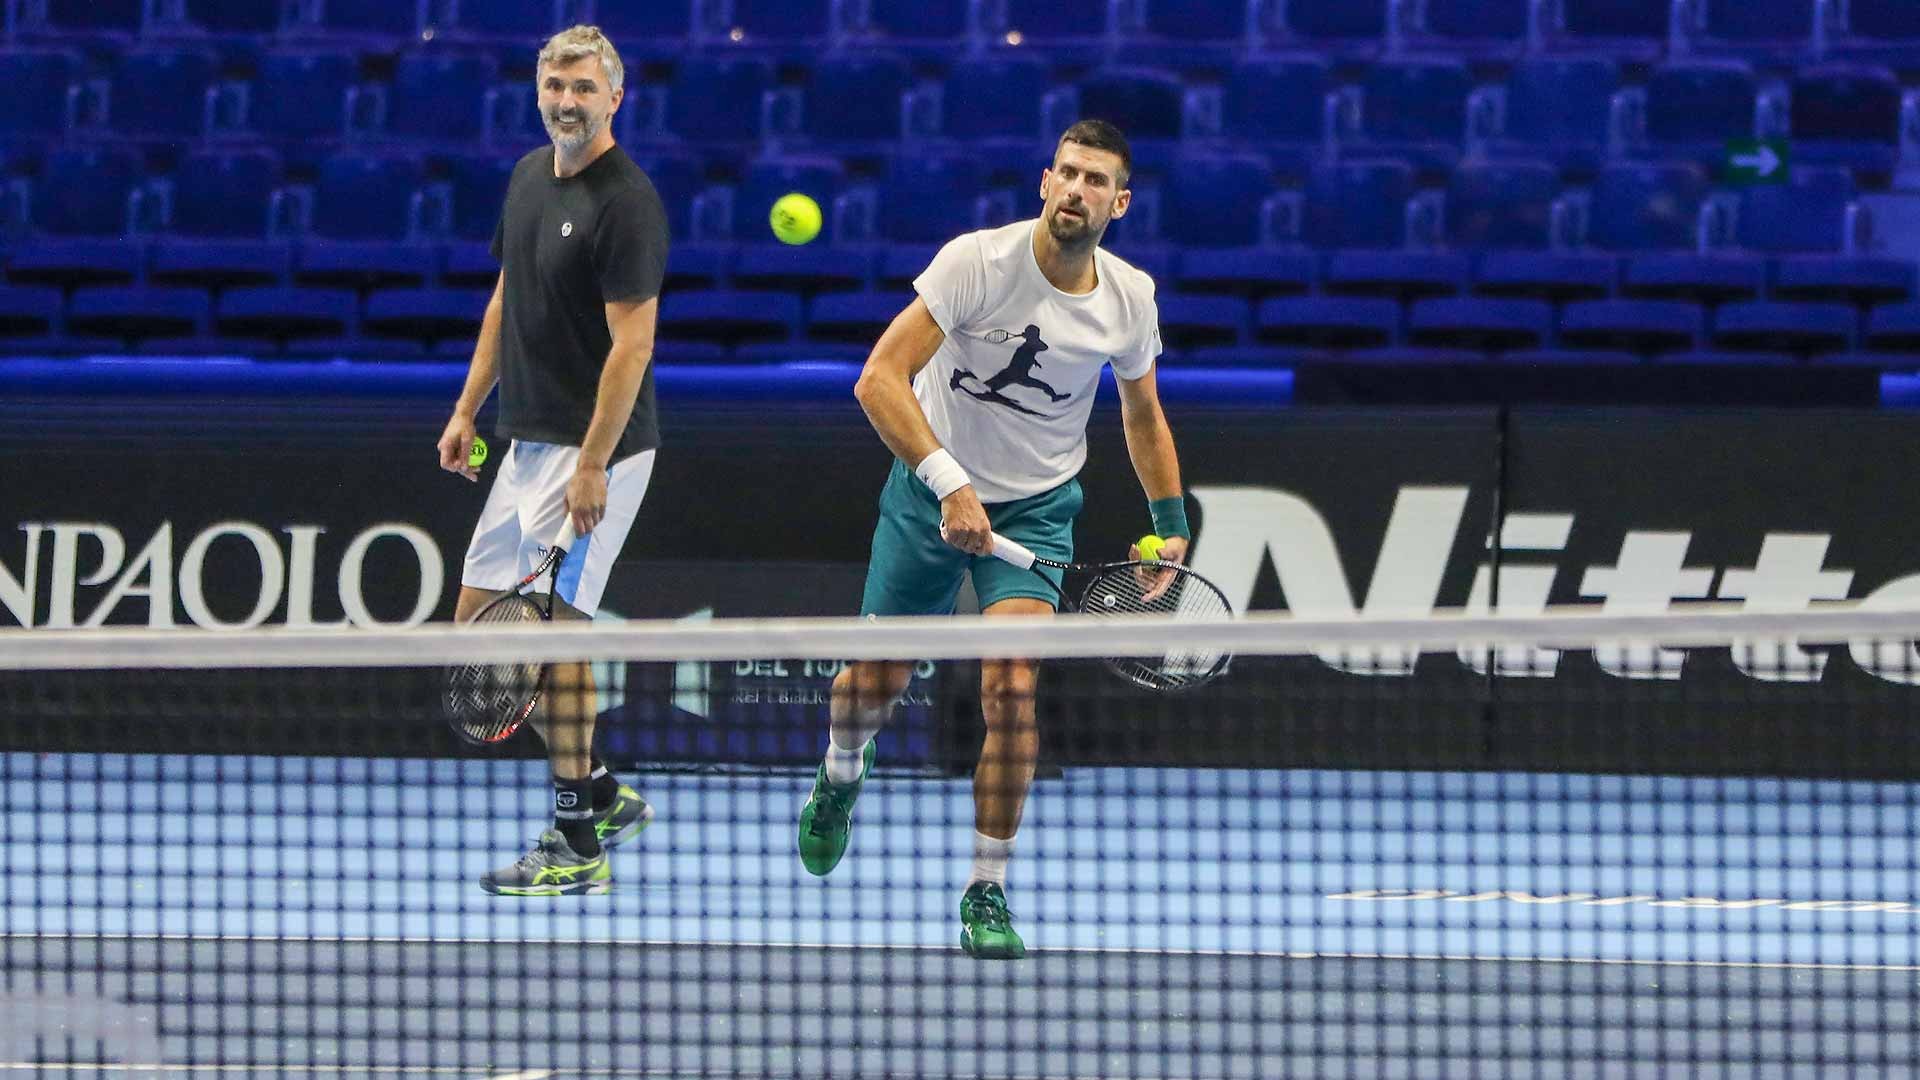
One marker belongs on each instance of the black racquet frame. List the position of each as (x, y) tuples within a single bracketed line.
[(1136, 671), (514, 691)]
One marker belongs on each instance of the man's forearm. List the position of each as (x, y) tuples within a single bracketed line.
[(620, 383), (1150, 445), (896, 416)]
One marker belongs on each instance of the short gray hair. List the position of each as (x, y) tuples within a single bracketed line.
[(578, 43)]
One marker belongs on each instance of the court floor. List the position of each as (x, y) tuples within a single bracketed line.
[(218, 916)]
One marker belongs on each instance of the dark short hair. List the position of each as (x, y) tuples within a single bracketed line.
[(1100, 135)]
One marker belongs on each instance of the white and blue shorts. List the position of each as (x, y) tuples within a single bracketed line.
[(523, 515)]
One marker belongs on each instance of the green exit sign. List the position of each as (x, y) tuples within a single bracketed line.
[(1756, 161)]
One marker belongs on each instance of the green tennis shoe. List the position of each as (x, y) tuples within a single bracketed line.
[(986, 926), (827, 820)]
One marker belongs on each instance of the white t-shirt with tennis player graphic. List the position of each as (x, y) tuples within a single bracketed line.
[(1010, 390)]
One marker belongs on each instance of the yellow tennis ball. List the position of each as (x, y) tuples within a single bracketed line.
[(477, 456), (795, 218), (1149, 546)]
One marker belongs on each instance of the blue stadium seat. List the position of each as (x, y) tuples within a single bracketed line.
[(1416, 109), (779, 22), (425, 314), (730, 318), (162, 92), (1482, 28), (303, 95), (1701, 278), (642, 27), (28, 313), (928, 198), (1628, 30), (218, 264), (1856, 279), (1250, 357), (814, 268), (1640, 326), (1357, 204), (769, 178), (1507, 205), (1766, 325), (1214, 200), (1558, 276), (229, 194), (1327, 321), (235, 16), (439, 96), (390, 22), (365, 197), (1145, 103), (1068, 33), (937, 26), (717, 98), (855, 318), (901, 263), (1894, 328), (285, 313), (1558, 108), (856, 97), (995, 95), (1883, 32), (33, 91), (677, 176), (84, 190), (95, 17), (1479, 323), (1694, 107), (1846, 115), (1223, 21), (478, 185), (525, 22), (1353, 27), (1727, 358), (1779, 29), (133, 313), (1808, 215), (470, 265), (1403, 274), (1194, 322), (1258, 272), (1278, 104), (1647, 207)]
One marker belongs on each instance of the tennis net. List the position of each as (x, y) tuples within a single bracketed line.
[(1569, 844)]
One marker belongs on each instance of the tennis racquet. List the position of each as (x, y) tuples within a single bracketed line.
[(487, 703), (1141, 588)]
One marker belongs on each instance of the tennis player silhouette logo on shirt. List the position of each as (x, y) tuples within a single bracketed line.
[(1018, 372)]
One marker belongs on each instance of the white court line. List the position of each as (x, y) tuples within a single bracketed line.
[(1598, 961), (525, 1074)]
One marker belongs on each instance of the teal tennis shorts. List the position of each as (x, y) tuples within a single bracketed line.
[(914, 572)]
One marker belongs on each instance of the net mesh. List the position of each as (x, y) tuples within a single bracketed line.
[(1447, 846)]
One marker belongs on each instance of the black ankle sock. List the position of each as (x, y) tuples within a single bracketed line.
[(573, 815), (606, 787)]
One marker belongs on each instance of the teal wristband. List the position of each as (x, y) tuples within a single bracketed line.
[(1170, 517)]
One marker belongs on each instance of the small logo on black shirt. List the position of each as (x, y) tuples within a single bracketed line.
[(1018, 372), (566, 228)]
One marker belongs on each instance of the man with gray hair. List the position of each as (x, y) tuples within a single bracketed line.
[(568, 336)]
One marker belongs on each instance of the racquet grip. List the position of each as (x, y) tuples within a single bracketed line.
[(567, 536), (1012, 551)]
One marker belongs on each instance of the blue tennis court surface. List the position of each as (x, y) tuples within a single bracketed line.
[(317, 916)]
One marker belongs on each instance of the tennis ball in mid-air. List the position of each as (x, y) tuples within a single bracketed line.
[(477, 456), (795, 218), (1149, 546)]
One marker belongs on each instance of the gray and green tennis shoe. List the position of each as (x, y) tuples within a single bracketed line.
[(827, 820), (552, 868), (625, 819)]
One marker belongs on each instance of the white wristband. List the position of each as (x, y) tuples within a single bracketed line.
[(940, 472)]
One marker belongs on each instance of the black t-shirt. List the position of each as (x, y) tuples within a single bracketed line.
[(567, 248)]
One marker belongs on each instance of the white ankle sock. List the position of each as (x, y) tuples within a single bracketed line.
[(843, 766), (990, 855)]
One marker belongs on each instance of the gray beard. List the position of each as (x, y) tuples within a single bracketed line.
[(571, 143), (1072, 239)]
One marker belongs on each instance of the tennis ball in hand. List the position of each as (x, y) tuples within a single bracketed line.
[(795, 218), (477, 456), (1149, 546)]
